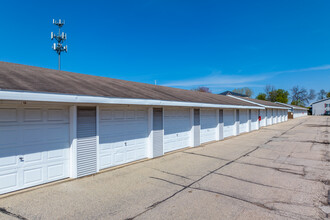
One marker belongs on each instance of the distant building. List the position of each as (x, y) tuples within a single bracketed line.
[(295, 111), (232, 93), (321, 107)]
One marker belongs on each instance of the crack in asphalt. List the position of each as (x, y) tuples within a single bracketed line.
[(204, 155), (4, 211), (173, 174), (256, 183), (261, 205), (189, 185), (204, 176)]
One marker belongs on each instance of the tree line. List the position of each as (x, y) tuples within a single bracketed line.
[(297, 95)]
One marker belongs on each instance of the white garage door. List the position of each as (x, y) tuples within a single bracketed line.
[(176, 129), (34, 146), (123, 135), (263, 118), (243, 118), (254, 119), (229, 123), (269, 116), (209, 124), (274, 116)]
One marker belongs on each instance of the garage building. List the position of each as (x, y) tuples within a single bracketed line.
[(272, 113), (321, 107), (56, 125), (295, 111)]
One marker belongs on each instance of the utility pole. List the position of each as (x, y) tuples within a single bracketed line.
[(60, 38)]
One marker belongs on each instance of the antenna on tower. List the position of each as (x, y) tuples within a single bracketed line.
[(60, 38)]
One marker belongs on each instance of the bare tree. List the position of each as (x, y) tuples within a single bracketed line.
[(322, 94), (203, 89), (312, 94), (244, 91), (300, 96)]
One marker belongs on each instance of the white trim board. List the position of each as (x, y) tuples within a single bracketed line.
[(252, 102), (53, 97)]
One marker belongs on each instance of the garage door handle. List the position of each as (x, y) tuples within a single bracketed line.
[(21, 159)]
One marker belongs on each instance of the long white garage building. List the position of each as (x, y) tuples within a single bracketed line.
[(56, 125), (272, 113), (295, 111)]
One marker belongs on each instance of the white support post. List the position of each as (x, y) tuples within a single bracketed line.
[(236, 122), (97, 138), (221, 124), (150, 132), (249, 119), (272, 117), (217, 131), (191, 133), (73, 141)]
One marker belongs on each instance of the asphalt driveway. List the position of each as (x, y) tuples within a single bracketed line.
[(279, 172)]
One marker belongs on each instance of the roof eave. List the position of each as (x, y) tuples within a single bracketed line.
[(68, 98), (265, 106)]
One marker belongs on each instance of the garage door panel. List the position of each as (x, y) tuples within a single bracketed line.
[(35, 157), (106, 159), (229, 122), (243, 121), (57, 133), (209, 124), (8, 181), (254, 119), (269, 116), (32, 176), (8, 136), (123, 135), (57, 154), (8, 160), (33, 134), (32, 115), (55, 171), (41, 138), (57, 115), (8, 115), (176, 128)]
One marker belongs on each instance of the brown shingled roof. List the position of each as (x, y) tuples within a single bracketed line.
[(35, 79)]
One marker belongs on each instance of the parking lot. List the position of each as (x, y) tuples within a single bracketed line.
[(277, 172)]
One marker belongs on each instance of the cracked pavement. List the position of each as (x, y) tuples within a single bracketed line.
[(278, 172)]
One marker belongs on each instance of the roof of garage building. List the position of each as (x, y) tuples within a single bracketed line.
[(322, 100), (261, 102), (23, 78), (292, 106)]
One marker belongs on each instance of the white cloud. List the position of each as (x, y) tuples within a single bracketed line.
[(217, 79)]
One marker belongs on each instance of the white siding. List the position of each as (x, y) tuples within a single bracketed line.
[(243, 117), (321, 108), (123, 135), (254, 120), (176, 128), (269, 117), (209, 124), (299, 113), (274, 116), (229, 123), (34, 146), (263, 118)]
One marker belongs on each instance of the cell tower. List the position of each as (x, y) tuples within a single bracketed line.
[(60, 38)]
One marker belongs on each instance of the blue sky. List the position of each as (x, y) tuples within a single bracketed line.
[(185, 44)]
